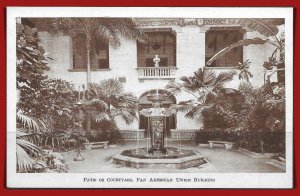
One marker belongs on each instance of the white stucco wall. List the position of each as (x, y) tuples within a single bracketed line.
[(190, 43), (258, 54), (190, 50)]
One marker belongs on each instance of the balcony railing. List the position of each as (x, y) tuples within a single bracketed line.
[(156, 72)]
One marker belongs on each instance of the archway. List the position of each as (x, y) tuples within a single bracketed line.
[(145, 103)]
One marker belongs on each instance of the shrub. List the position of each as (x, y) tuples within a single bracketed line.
[(216, 134), (113, 136), (261, 142)]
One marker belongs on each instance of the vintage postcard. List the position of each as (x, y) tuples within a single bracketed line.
[(149, 97)]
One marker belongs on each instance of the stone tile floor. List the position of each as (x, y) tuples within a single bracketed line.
[(219, 160)]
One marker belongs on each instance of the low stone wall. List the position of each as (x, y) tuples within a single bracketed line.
[(132, 134), (183, 134)]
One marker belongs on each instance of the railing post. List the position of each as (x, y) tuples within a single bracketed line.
[(156, 72)]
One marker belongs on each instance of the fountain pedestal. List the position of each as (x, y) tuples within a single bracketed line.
[(157, 133), (157, 154), (157, 123)]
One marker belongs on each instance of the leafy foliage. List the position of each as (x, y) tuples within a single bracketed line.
[(32, 158), (205, 86), (266, 27), (261, 109), (52, 103), (25, 150), (108, 100), (109, 29), (255, 121), (31, 60), (268, 111), (260, 142), (270, 63), (244, 42), (109, 133), (244, 72), (34, 105), (28, 123)]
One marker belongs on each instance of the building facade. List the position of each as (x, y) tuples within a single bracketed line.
[(182, 45)]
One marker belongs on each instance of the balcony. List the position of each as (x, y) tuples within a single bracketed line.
[(156, 72)]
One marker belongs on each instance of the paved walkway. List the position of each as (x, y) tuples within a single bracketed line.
[(220, 161)]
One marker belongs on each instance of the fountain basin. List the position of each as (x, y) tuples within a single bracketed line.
[(175, 159)]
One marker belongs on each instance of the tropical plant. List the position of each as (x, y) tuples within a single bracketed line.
[(27, 142), (244, 73), (268, 109), (51, 162), (52, 107), (30, 156), (266, 27), (25, 150), (52, 103), (244, 42), (108, 100), (204, 86), (108, 29), (25, 122), (31, 59)]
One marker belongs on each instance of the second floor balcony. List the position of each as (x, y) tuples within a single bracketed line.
[(156, 72)]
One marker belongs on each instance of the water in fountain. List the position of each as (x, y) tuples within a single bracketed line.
[(157, 153), (157, 141)]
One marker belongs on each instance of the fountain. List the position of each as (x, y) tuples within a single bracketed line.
[(158, 154)]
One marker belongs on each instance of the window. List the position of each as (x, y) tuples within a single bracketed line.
[(218, 38), (161, 43), (99, 53)]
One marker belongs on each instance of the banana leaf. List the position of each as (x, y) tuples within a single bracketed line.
[(244, 42)]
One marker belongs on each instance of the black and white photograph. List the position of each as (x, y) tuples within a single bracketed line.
[(158, 97)]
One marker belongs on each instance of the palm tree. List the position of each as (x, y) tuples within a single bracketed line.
[(108, 100), (204, 86), (25, 150), (108, 29), (26, 145), (244, 73)]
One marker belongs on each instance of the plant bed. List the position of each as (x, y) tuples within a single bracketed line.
[(278, 164), (255, 155)]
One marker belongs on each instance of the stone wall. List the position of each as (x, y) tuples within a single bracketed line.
[(132, 134), (176, 134), (183, 134)]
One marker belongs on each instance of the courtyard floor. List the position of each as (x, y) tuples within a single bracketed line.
[(219, 160)]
